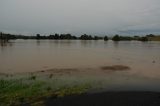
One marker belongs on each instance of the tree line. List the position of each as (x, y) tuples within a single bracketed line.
[(6, 36)]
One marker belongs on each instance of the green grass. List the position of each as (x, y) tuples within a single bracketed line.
[(72, 90), (13, 91), (31, 90)]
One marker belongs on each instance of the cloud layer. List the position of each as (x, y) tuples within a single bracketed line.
[(80, 16)]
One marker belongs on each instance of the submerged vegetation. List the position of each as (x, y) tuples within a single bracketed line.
[(116, 68), (150, 37)]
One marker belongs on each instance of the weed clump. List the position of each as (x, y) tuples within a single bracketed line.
[(33, 77), (51, 75)]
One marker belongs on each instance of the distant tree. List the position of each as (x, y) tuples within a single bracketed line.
[(126, 38), (150, 35), (86, 37), (116, 38), (68, 36), (106, 38), (136, 37), (38, 36), (62, 36), (0, 35), (90, 37), (96, 38), (74, 37), (65, 36), (56, 36), (51, 37)]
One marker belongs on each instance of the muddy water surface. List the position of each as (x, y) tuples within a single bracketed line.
[(141, 60)]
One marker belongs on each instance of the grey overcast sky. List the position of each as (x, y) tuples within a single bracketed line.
[(80, 16)]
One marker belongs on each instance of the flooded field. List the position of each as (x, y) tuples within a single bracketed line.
[(35, 55)]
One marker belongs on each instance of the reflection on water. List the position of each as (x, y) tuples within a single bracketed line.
[(116, 43), (87, 43), (4, 44), (33, 55), (38, 42)]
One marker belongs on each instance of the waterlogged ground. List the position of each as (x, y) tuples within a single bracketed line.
[(35, 88)]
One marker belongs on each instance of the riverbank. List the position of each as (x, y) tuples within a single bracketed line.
[(35, 92), (17, 90), (73, 86)]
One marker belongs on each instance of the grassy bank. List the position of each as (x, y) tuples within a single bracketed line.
[(34, 89)]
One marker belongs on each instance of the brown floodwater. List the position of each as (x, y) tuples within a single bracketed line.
[(34, 55)]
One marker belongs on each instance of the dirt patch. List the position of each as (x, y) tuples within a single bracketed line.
[(116, 68)]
